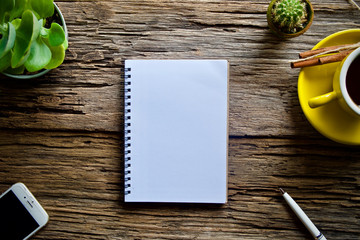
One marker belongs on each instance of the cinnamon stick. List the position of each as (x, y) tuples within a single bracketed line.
[(321, 60), (335, 58), (305, 63), (320, 50)]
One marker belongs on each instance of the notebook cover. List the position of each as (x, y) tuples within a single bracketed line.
[(176, 131)]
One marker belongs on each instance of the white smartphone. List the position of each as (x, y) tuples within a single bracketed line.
[(21, 215)]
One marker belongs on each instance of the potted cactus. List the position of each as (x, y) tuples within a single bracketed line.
[(33, 37), (289, 18)]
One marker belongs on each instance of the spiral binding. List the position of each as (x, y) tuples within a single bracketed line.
[(127, 122)]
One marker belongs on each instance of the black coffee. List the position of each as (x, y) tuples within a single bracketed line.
[(353, 80)]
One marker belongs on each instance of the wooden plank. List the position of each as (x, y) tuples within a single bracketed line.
[(85, 93), (62, 134), (78, 178)]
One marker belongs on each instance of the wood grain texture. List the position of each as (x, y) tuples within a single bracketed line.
[(62, 134), (87, 87), (78, 179)]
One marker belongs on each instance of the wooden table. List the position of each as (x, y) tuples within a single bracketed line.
[(62, 134)]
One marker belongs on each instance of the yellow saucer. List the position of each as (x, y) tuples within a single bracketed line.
[(330, 120)]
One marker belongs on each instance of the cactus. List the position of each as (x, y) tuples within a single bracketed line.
[(290, 16)]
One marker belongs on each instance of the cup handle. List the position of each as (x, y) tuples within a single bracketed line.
[(322, 100)]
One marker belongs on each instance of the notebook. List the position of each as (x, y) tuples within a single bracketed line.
[(176, 131)]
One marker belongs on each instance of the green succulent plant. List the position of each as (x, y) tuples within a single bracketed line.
[(27, 39), (290, 15)]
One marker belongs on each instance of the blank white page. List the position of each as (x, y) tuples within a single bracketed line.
[(179, 131)]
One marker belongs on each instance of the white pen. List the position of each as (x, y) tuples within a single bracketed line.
[(302, 216)]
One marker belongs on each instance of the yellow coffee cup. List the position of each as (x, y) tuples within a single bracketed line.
[(345, 74)]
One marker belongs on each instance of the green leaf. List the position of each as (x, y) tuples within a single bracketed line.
[(16, 23), (56, 35), (44, 32), (66, 44), (5, 62), (20, 6), (40, 56), (7, 41), (45, 8), (58, 55), (6, 6), (27, 32), (16, 71)]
